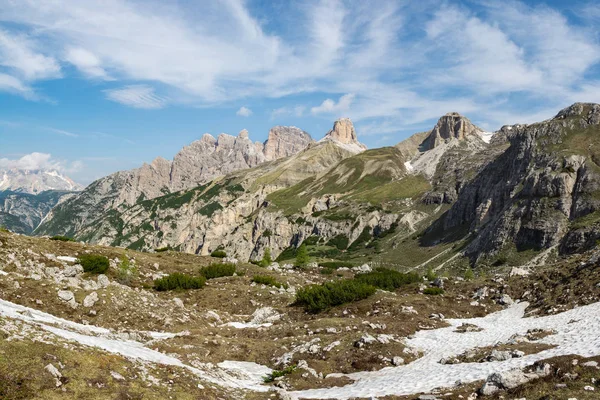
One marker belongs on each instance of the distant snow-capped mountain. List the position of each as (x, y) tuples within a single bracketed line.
[(36, 181)]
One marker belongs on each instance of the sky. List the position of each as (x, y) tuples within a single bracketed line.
[(92, 87)]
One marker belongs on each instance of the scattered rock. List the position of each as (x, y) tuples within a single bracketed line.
[(90, 300), (55, 373), (66, 295), (178, 302), (505, 300), (362, 269), (397, 360), (103, 280)]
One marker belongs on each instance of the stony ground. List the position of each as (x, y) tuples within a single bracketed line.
[(233, 319)]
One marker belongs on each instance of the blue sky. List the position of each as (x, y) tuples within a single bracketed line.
[(100, 86)]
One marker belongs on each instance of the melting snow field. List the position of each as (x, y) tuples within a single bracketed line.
[(578, 333), (236, 375)]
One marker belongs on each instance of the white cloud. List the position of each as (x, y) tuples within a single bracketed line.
[(330, 106), (244, 112), (86, 62), (137, 96), (19, 54), (36, 161), (395, 73)]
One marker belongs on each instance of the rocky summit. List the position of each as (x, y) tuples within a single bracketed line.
[(302, 269)]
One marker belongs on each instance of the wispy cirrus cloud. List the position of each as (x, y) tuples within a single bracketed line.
[(137, 96)]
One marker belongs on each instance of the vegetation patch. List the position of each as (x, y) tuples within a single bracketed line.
[(209, 209), (93, 263), (269, 281), (162, 249), (62, 238), (336, 264), (388, 279), (218, 270), (179, 281), (433, 291), (218, 253), (279, 373), (316, 298), (127, 272), (340, 242)]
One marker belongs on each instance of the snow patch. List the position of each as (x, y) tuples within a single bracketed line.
[(576, 334), (229, 376)]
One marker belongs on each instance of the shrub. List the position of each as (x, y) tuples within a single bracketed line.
[(268, 280), (336, 264), (162, 249), (433, 291), (302, 257), (218, 270), (340, 242), (179, 281), (469, 275), (388, 279), (267, 233), (279, 373), (311, 240), (287, 254), (93, 263), (327, 271), (317, 298), (430, 275), (266, 260), (126, 272), (218, 253), (62, 238)]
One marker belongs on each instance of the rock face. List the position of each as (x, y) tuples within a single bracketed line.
[(285, 141), (36, 181), (343, 132), (198, 163), (450, 126), (534, 192), (22, 212)]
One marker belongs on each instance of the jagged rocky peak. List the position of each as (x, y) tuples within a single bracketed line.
[(343, 133), (588, 111), (284, 141), (451, 125), (34, 181)]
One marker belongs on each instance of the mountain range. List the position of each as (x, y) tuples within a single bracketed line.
[(455, 192)]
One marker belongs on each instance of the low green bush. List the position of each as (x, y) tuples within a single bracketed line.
[(336, 264), (178, 280), (279, 373), (93, 263), (62, 238), (433, 291), (162, 249), (326, 271), (218, 270), (388, 279), (316, 298), (218, 254), (340, 242), (431, 275), (268, 280), (126, 273)]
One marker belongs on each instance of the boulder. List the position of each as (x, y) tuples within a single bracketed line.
[(90, 300)]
